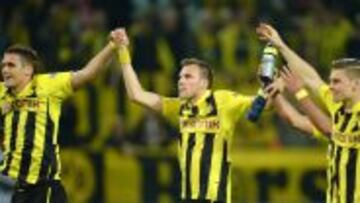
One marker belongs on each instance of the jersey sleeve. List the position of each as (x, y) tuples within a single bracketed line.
[(326, 96), (237, 104), (171, 109), (58, 84)]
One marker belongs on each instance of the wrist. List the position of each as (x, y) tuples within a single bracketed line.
[(301, 94), (112, 45), (281, 46), (124, 55)]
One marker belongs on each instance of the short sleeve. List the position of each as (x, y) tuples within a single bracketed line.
[(171, 109), (236, 104), (58, 84)]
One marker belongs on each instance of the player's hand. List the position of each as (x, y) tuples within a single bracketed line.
[(119, 37), (292, 81), (274, 88), (267, 33)]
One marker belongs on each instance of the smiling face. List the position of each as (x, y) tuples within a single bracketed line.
[(341, 85), (191, 83), (15, 71)]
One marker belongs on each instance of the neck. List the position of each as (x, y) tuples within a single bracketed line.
[(197, 96), (352, 101), (20, 86)]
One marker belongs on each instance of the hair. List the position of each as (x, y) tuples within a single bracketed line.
[(28, 54), (350, 65), (205, 69)]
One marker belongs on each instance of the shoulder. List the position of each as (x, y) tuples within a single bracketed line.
[(52, 76), (55, 78), (171, 100), (224, 94)]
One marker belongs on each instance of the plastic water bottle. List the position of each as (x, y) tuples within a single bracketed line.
[(268, 64), (267, 73)]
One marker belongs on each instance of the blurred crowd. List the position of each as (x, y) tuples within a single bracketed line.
[(67, 33)]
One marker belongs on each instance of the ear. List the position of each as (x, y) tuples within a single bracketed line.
[(29, 70), (355, 84), (205, 83)]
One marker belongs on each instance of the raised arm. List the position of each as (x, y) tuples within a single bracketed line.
[(294, 61), (295, 86), (290, 114), (133, 87), (93, 67), (285, 109)]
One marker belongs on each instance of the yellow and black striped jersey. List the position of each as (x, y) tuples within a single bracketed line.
[(344, 159), (31, 150), (206, 129)]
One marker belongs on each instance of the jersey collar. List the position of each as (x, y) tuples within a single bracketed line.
[(26, 91), (203, 97)]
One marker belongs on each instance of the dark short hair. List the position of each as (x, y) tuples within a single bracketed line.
[(28, 54), (205, 68), (350, 65)]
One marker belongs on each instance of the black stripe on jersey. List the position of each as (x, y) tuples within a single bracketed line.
[(14, 124), (2, 133), (335, 177), (182, 109), (211, 102), (28, 145), (339, 112), (351, 175), (194, 111), (54, 164), (331, 154), (336, 118), (205, 164), (222, 190), (49, 150), (355, 128), (189, 150), (189, 110), (345, 122)]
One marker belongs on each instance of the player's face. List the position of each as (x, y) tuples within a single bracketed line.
[(191, 83), (340, 85), (13, 70)]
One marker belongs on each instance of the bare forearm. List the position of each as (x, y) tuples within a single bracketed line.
[(315, 114), (93, 67), (287, 112), (301, 67), (131, 80), (135, 91)]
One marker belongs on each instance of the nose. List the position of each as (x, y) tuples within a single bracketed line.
[(4, 69), (181, 81)]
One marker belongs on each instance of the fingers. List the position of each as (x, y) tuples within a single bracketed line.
[(265, 29), (263, 33), (271, 91), (119, 37), (286, 74), (292, 80)]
